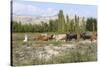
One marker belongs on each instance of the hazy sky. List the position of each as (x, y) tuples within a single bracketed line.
[(31, 8)]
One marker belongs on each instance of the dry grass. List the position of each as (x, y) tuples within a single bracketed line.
[(50, 52)]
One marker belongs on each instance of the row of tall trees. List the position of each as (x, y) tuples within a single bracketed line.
[(61, 25)]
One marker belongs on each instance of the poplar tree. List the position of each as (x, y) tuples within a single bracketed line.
[(61, 22)]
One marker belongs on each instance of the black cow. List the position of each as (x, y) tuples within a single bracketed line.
[(71, 36), (86, 35)]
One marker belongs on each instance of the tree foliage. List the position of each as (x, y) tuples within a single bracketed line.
[(61, 22), (60, 25), (91, 24)]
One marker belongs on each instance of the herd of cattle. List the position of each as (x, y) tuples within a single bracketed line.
[(67, 37)]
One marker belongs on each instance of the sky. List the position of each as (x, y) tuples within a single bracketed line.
[(33, 8)]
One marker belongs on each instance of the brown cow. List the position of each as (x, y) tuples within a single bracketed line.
[(94, 36), (43, 37)]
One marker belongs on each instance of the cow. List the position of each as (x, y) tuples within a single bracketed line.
[(70, 36), (86, 35), (94, 36), (43, 37), (59, 37)]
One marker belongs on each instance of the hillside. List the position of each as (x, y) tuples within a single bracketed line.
[(33, 19)]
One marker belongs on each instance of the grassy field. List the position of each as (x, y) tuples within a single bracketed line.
[(50, 52)]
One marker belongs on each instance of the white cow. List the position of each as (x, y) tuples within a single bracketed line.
[(60, 37)]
